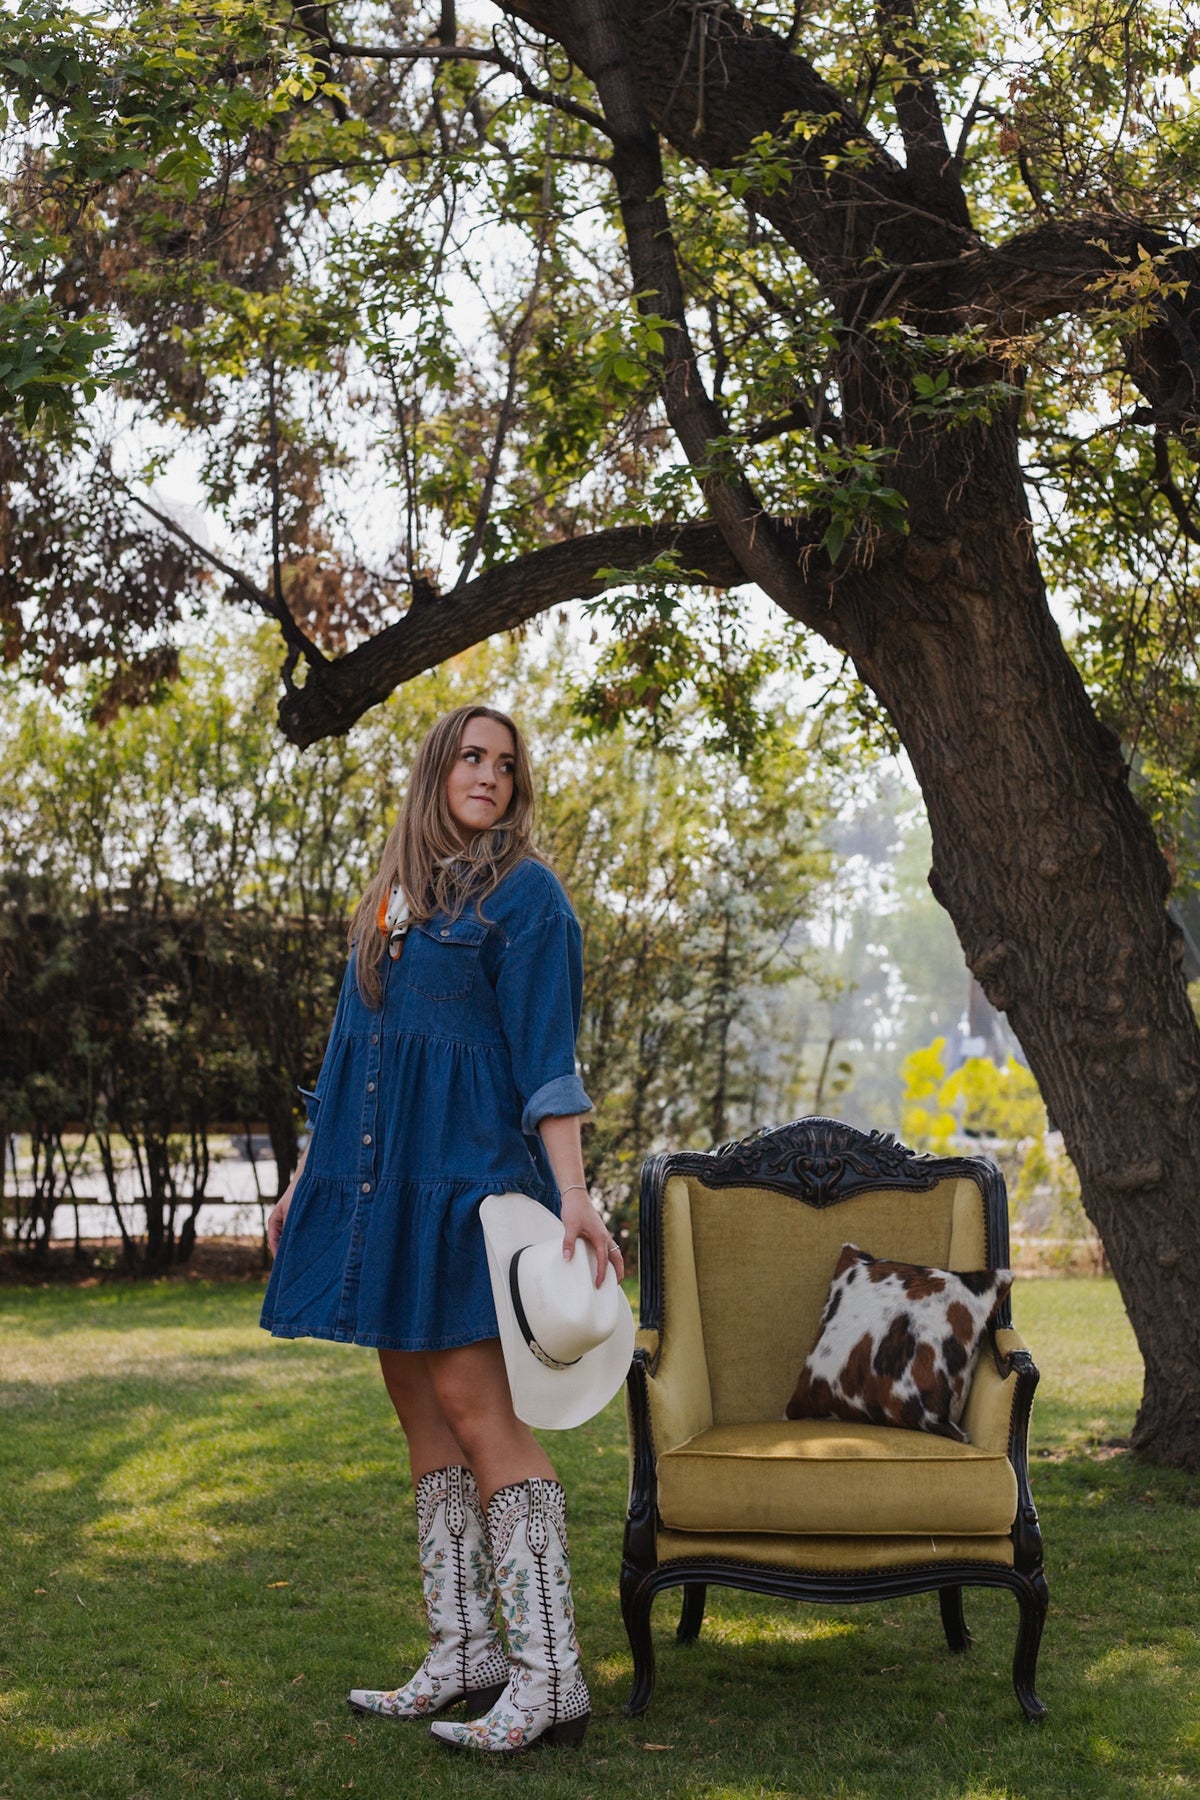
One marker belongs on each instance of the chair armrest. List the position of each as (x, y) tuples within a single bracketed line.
[(996, 1417), (988, 1416), (678, 1396)]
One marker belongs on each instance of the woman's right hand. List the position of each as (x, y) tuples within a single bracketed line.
[(279, 1211), (277, 1215)]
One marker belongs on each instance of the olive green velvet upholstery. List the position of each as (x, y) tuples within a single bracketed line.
[(813, 1475), (725, 1488), (740, 1313)]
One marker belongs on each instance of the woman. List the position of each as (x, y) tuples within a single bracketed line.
[(450, 1075)]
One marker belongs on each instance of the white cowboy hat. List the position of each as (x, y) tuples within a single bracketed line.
[(567, 1343)]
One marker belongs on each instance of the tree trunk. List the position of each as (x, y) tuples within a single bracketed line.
[(1054, 881)]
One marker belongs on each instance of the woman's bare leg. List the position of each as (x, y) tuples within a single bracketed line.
[(431, 1443), (465, 1654), (470, 1386)]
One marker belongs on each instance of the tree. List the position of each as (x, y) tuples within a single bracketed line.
[(853, 290)]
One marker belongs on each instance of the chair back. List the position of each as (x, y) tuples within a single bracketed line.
[(764, 1221)]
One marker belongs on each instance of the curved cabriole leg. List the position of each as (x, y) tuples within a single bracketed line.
[(953, 1623), (636, 1601), (1033, 1597), (691, 1613)]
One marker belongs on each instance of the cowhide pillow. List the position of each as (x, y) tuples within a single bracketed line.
[(897, 1344)]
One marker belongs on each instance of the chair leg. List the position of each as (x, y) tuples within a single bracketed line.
[(691, 1613), (636, 1601), (1033, 1598), (953, 1623)]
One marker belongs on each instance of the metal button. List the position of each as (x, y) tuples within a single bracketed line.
[(366, 1187), (445, 931), (374, 1037), (370, 1087), (366, 1137)]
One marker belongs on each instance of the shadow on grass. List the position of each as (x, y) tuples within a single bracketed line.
[(222, 1535)]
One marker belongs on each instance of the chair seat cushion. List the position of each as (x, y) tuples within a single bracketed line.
[(828, 1476)]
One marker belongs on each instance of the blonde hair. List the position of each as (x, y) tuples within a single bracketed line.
[(425, 851)]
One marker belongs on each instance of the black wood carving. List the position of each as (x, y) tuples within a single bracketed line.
[(820, 1162)]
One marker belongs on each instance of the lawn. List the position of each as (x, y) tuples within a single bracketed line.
[(207, 1539)]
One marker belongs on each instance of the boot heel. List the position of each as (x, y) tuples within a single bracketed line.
[(482, 1700), (568, 1733)]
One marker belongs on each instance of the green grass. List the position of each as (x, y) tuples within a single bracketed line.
[(207, 1538)]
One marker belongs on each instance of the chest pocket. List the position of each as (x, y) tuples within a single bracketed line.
[(442, 958)]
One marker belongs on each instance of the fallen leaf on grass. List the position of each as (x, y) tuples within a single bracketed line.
[(41, 1590), (296, 1678), (271, 1584), (658, 1746), (891, 1669)]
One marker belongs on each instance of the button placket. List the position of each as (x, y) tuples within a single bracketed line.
[(368, 1135)]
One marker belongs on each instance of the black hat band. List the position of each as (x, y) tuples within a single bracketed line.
[(543, 1356)]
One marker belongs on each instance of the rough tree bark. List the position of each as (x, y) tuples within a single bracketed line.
[(1043, 859)]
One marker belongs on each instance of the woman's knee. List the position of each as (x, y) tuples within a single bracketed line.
[(472, 1392), (410, 1390)]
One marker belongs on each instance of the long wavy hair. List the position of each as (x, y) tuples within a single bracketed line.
[(425, 850)]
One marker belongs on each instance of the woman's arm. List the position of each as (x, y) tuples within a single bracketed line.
[(279, 1211), (564, 1147)]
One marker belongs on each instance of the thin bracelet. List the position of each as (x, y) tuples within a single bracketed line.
[(576, 1187)]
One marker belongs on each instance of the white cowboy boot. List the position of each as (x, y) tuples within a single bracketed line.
[(465, 1657), (546, 1696)]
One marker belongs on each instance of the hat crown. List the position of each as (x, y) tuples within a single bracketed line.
[(568, 1314)]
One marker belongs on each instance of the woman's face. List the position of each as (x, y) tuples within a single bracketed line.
[(479, 787)]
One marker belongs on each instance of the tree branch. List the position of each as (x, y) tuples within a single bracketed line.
[(1168, 488), (848, 196), (296, 639), (761, 549), (338, 692), (517, 343), (495, 58), (1059, 267), (935, 173)]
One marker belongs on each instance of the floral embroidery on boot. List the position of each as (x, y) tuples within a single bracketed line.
[(465, 1656), (546, 1696)]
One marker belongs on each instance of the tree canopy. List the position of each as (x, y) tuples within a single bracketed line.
[(369, 261), (891, 313)]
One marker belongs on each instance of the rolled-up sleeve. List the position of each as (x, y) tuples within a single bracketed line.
[(312, 1106), (540, 993)]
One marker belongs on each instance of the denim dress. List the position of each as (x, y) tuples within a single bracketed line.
[(422, 1108)]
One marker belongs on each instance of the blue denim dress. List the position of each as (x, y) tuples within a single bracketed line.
[(421, 1110)]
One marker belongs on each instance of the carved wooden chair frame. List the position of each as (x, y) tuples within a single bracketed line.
[(820, 1162)]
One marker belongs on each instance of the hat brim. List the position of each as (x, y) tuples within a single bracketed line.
[(551, 1399)]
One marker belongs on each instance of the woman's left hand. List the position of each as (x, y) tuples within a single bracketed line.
[(581, 1220)]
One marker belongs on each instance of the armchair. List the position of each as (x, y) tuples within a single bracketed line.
[(737, 1250)]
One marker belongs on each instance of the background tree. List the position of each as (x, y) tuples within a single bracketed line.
[(177, 883), (661, 301)]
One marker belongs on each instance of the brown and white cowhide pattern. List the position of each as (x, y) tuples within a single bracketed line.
[(897, 1344)]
